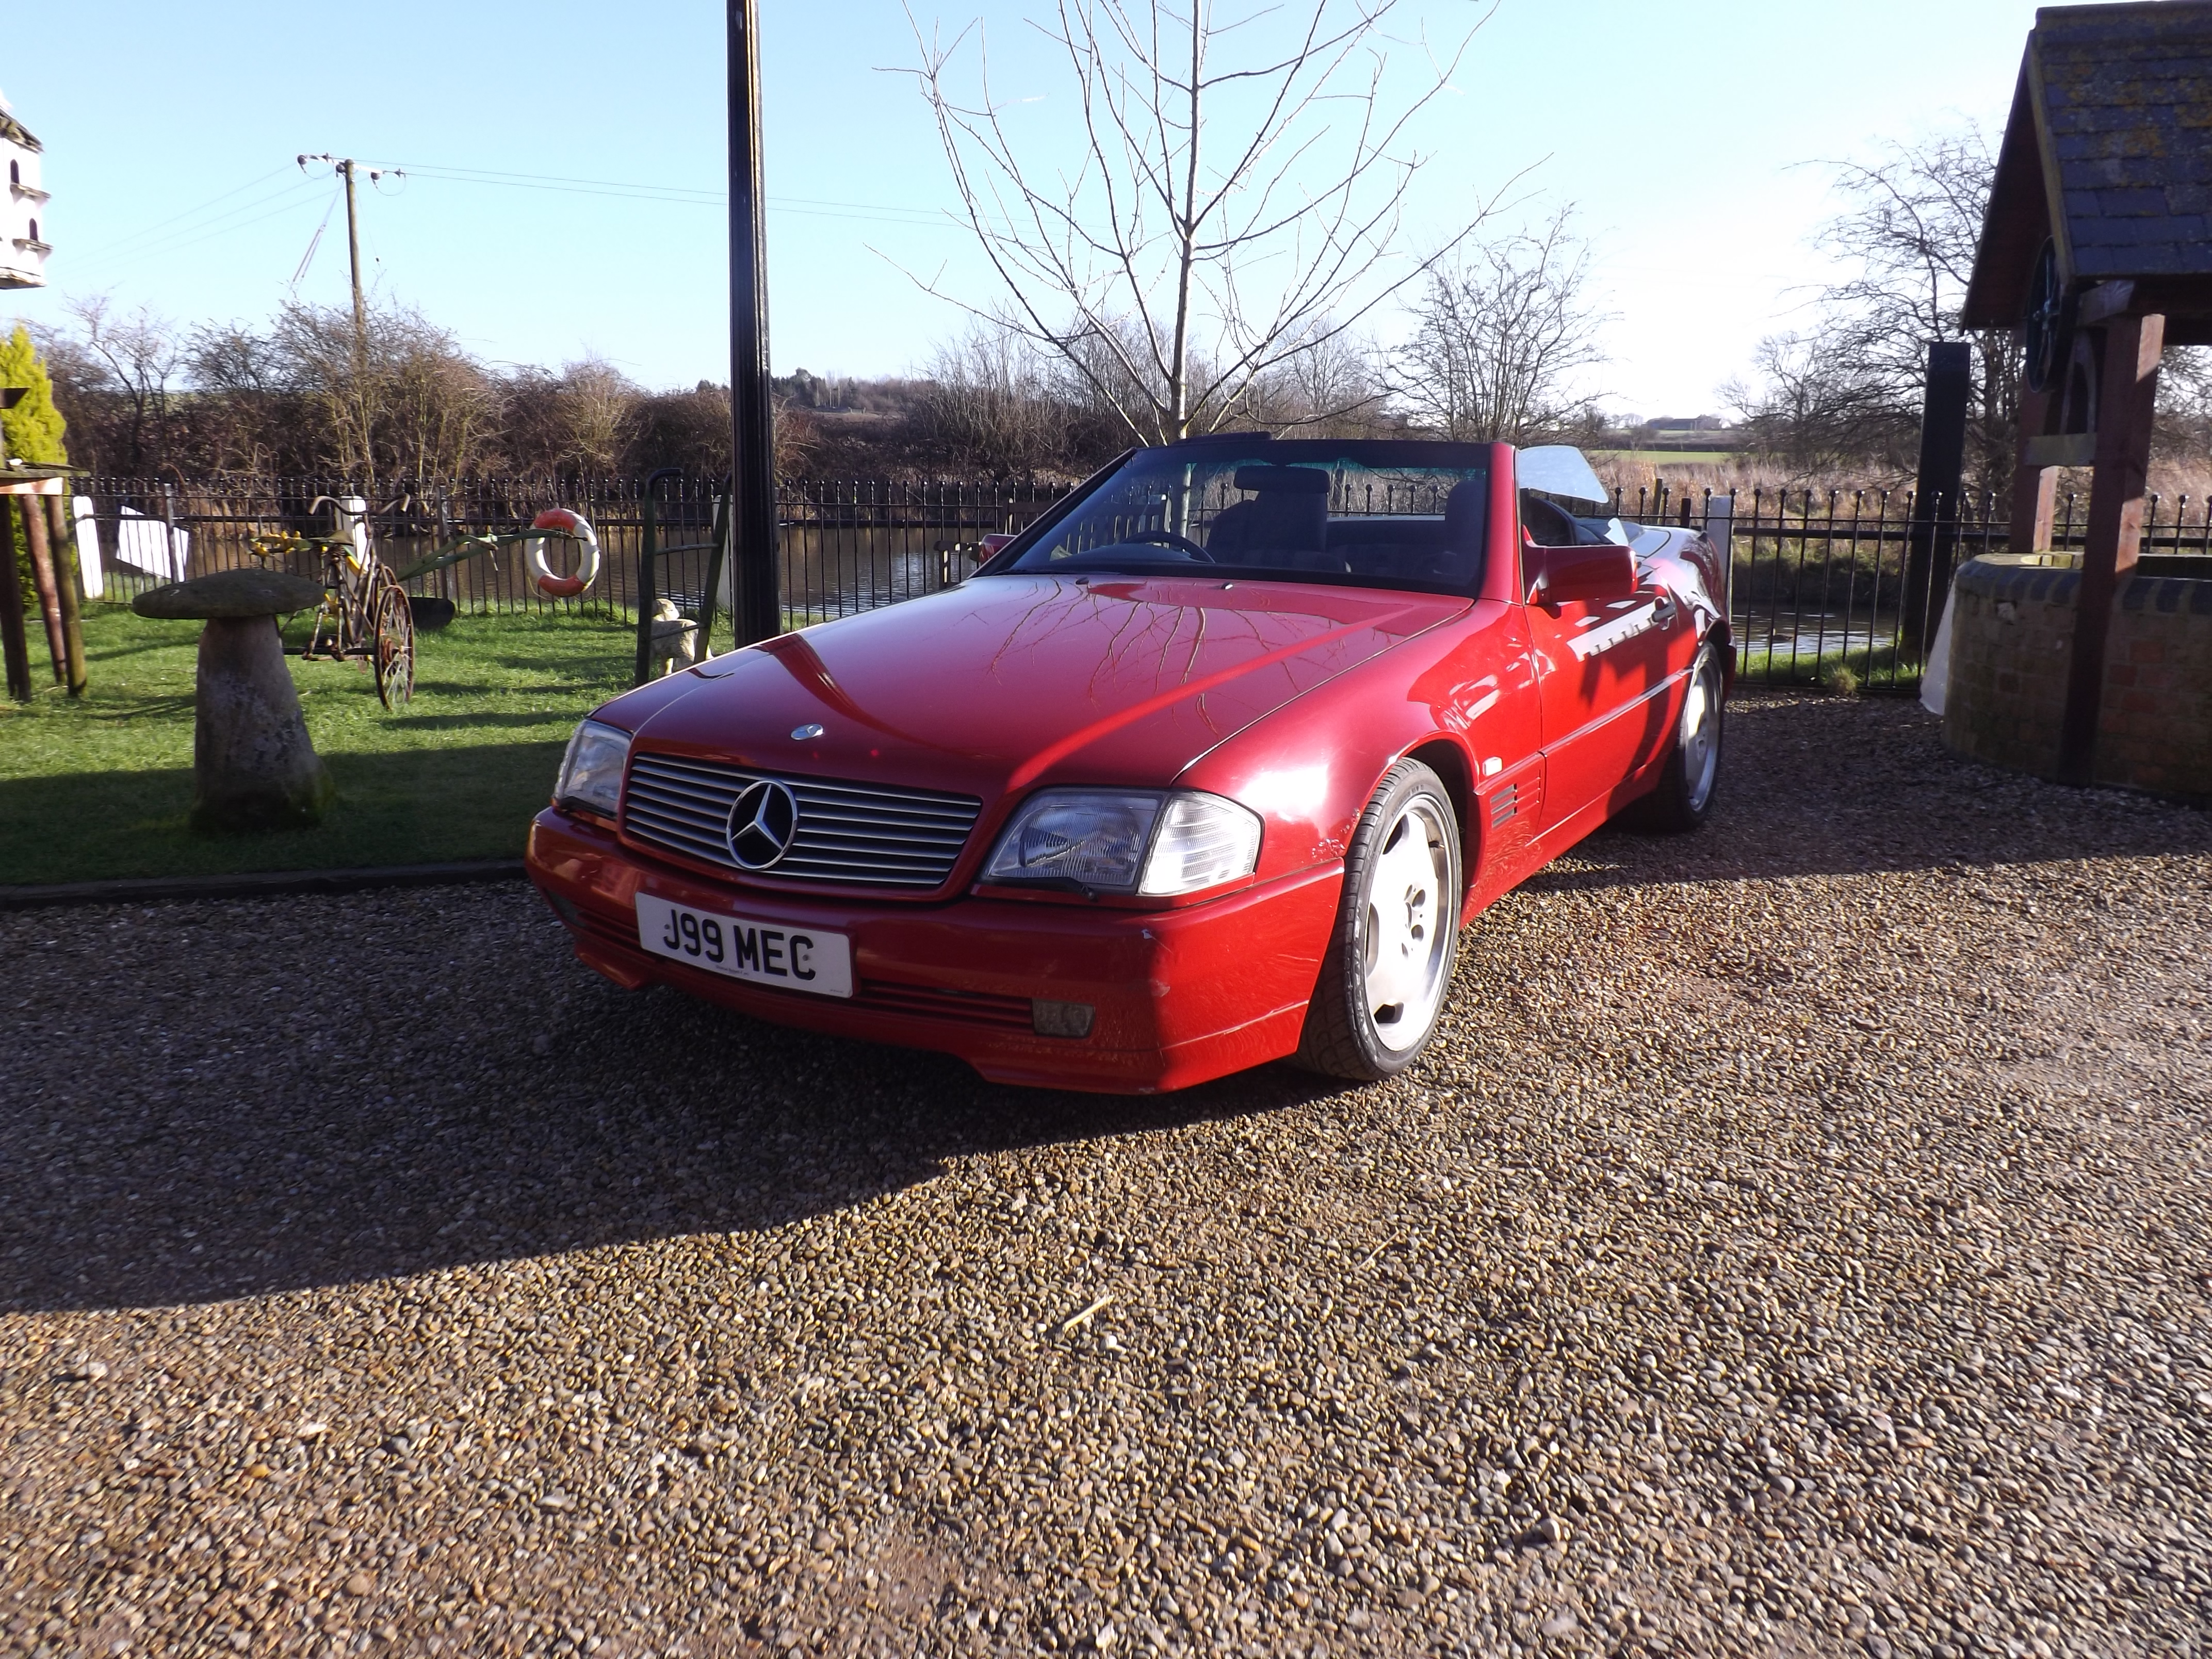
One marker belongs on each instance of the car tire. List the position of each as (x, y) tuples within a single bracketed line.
[(1390, 955), (1691, 781)]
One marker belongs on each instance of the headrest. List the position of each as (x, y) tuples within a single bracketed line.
[(1283, 480), (1465, 510)]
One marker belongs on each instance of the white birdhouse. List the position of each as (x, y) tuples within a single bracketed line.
[(23, 247)]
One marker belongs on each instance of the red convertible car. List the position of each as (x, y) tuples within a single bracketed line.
[(1207, 768)]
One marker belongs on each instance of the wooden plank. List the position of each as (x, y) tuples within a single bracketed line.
[(2060, 449)]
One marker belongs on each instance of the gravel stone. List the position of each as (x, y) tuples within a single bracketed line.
[(1809, 1219)]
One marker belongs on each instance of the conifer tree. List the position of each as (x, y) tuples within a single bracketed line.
[(32, 432)]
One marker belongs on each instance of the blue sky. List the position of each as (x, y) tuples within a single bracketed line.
[(170, 132)]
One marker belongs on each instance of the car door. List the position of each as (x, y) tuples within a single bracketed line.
[(1601, 670)]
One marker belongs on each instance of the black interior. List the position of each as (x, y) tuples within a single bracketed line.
[(1291, 527)]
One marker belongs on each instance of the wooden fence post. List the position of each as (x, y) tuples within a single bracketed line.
[(12, 643), (69, 587), (42, 580)]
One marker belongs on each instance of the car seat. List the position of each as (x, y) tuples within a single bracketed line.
[(1467, 520), (1286, 523)]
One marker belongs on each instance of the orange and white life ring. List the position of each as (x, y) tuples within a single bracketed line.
[(581, 533)]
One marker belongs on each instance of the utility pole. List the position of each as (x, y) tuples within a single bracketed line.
[(353, 260), (349, 170), (759, 608)]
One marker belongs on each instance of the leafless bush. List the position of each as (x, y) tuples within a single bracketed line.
[(403, 401), (990, 404)]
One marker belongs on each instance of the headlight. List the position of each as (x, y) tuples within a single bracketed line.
[(1202, 841), (592, 771), (1127, 840)]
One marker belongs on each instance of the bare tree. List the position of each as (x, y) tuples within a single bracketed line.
[(1337, 388), (133, 360), (1814, 412), (2183, 436), (1503, 336), (1906, 239), (1215, 213)]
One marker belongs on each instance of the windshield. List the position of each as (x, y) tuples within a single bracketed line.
[(1371, 514)]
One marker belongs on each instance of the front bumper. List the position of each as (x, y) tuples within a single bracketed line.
[(1181, 996)]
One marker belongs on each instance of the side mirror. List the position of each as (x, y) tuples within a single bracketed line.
[(995, 544), (1571, 575)]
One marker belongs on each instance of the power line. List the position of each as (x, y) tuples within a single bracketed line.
[(684, 194), (159, 225), (192, 235)]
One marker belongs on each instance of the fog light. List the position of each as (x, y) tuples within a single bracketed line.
[(1064, 1019)]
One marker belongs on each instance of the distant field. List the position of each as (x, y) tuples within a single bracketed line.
[(1667, 456), (99, 788)]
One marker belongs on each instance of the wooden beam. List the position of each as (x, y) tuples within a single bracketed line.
[(2125, 405)]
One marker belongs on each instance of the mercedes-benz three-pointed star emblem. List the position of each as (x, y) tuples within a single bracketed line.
[(763, 821)]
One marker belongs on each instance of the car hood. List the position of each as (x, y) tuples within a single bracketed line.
[(1010, 681)]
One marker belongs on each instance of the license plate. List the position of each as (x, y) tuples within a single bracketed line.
[(796, 958)]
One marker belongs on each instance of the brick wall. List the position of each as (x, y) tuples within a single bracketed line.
[(2012, 639)]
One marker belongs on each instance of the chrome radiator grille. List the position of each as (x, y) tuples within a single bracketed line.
[(852, 834)]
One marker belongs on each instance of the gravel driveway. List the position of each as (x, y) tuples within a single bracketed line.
[(1796, 1243)]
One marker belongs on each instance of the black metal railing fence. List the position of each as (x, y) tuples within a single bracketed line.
[(1827, 579), (846, 545), (1819, 579)]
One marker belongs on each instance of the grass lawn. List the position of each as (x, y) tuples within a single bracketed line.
[(99, 788)]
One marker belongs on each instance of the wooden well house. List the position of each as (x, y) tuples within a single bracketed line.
[(2097, 249)]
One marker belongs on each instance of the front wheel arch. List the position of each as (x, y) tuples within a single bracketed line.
[(1449, 763)]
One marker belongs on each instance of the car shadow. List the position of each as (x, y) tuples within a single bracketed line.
[(390, 1147)]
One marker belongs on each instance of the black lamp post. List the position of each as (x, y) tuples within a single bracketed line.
[(758, 596)]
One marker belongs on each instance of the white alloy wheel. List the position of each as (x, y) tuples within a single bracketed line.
[(1684, 795), (1404, 950), (1701, 733), (1395, 938)]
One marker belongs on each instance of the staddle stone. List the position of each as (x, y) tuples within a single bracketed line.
[(254, 766), (247, 592)]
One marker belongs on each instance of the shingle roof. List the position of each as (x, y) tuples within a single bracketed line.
[(2110, 140)]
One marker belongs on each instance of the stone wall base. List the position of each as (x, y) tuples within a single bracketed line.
[(2012, 641)]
